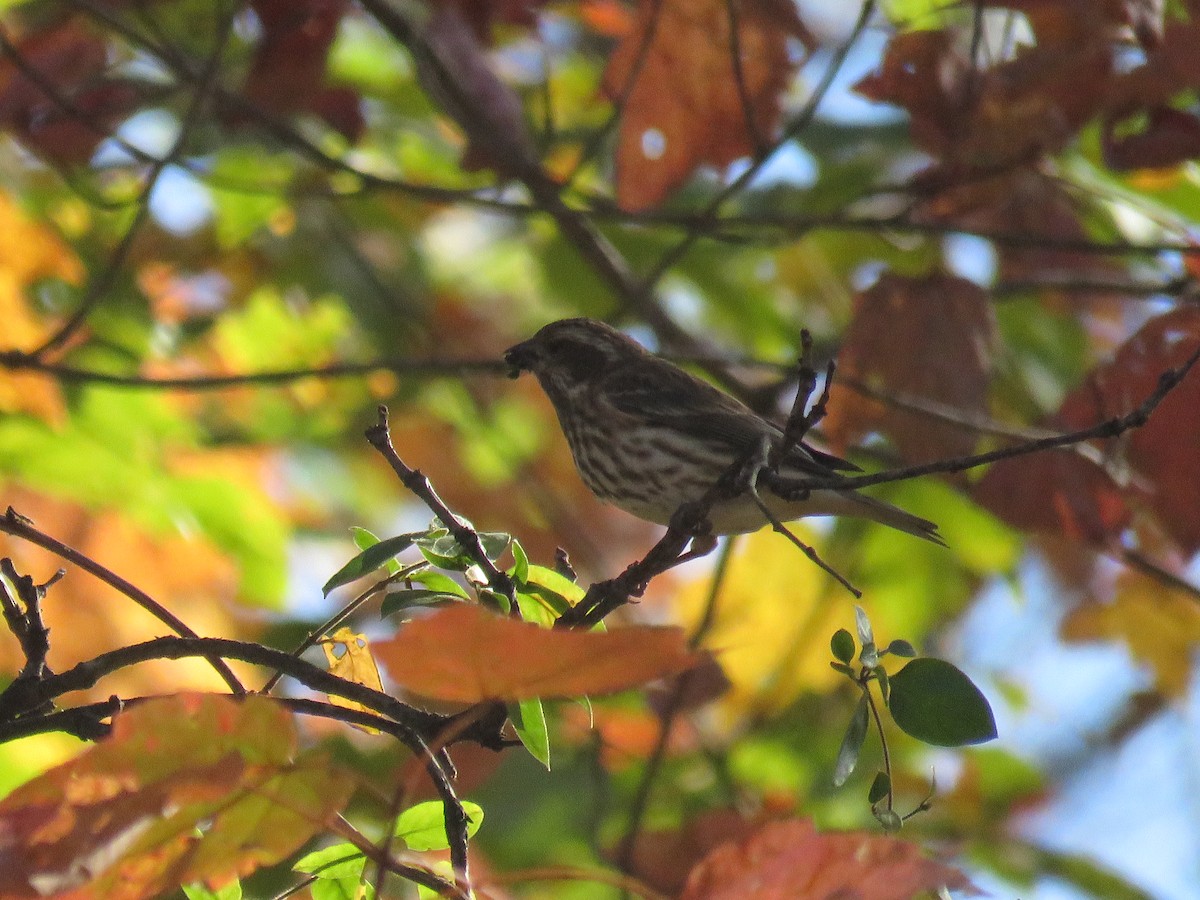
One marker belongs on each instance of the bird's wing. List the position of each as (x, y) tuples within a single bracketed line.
[(670, 397)]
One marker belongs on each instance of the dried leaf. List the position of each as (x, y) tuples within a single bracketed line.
[(1163, 452), (355, 664)]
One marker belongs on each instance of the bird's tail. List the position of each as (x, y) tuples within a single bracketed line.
[(892, 516)]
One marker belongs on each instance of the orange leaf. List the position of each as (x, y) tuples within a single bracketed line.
[(685, 106), (928, 338), (465, 654), (791, 859), (187, 788)]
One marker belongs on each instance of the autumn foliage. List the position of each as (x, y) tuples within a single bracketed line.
[(247, 652)]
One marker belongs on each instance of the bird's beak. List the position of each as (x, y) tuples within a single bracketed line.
[(518, 357)]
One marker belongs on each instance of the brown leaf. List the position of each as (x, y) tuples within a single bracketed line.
[(928, 338), (465, 654), (663, 859), (1164, 452), (685, 107), (187, 788), (790, 859)]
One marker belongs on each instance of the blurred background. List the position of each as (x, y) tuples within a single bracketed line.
[(231, 230)]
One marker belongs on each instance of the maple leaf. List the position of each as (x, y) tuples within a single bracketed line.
[(697, 89)]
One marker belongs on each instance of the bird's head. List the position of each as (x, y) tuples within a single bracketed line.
[(571, 352)]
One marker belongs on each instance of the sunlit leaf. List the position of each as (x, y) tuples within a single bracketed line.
[(189, 788), (528, 719), (466, 654), (423, 827)]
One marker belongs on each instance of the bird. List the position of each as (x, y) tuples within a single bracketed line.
[(648, 436)]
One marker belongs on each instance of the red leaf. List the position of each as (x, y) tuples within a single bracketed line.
[(685, 107), (1169, 138), (73, 61), (1058, 492), (791, 859), (287, 75), (121, 821), (1164, 452), (465, 654), (928, 338)]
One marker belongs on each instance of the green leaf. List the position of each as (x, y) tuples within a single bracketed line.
[(880, 787), (348, 888), (842, 646), (528, 718), (370, 559), (885, 686), (494, 543), (852, 742), (231, 891), (402, 599), (423, 827), (338, 861), (559, 592), (520, 569), (900, 647), (364, 539), (443, 584), (844, 669), (443, 551), (935, 702)]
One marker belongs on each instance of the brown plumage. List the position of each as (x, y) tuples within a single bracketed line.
[(647, 436)]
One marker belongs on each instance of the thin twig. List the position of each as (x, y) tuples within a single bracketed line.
[(1109, 428), (99, 286), (20, 527), (671, 710), (380, 438)]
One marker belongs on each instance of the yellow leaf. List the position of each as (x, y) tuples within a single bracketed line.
[(355, 663), (1160, 626), (774, 616)]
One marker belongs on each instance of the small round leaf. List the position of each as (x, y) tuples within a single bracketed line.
[(935, 702), (842, 646)]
